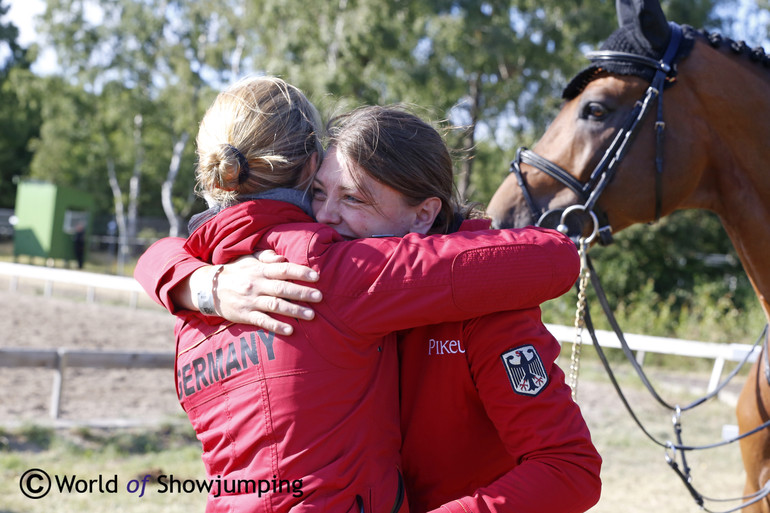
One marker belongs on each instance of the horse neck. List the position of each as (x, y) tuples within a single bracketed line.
[(736, 183), (752, 248)]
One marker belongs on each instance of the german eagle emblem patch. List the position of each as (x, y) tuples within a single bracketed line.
[(525, 370)]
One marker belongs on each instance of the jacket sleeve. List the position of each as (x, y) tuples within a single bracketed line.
[(559, 466), (163, 266), (378, 286)]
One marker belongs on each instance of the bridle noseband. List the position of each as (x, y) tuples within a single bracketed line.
[(588, 194)]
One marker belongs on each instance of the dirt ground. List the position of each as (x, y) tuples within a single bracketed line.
[(34, 321), (635, 475)]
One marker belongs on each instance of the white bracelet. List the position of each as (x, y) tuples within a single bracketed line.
[(206, 297)]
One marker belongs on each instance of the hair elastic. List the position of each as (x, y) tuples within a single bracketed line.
[(243, 175)]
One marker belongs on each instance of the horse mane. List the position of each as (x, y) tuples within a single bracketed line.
[(756, 55), (619, 40)]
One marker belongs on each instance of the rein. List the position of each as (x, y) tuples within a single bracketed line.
[(590, 192), (672, 449)]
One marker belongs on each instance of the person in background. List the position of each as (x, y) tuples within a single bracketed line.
[(79, 244), (317, 411)]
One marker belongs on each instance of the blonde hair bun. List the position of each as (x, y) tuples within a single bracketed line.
[(257, 135)]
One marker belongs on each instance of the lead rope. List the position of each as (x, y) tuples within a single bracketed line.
[(585, 275)]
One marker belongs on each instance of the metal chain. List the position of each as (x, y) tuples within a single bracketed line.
[(585, 274)]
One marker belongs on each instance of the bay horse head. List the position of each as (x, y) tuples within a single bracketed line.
[(617, 154), (614, 102), (617, 148)]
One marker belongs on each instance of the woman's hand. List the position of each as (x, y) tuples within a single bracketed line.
[(251, 288)]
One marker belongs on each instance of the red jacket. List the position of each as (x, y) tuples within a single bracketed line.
[(471, 442), (321, 405)]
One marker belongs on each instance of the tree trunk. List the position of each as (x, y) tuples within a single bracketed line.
[(135, 182), (120, 218), (469, 140), (235, 61), (338, 37), (168, 185)]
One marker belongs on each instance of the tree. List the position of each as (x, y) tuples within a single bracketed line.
[(747, 20), (9, 34), (67, 147), (143, 64), (473, 62), (510, 60), (19, 112), (356, 51)]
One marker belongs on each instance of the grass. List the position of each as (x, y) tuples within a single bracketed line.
[(120, 458), (635, 475)]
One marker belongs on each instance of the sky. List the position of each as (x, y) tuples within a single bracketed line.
[(22, 15)]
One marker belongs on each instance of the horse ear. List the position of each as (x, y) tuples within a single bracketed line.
[(627, 12), (648, 17)]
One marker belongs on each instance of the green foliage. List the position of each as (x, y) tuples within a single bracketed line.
[(679, 277), (698, 13), (681, 251), (501, 64), (19, 116), (354, 51), (134, 85), (64, 148), (20, 120), (493, 70), (491, 163), (31, 437), (9, 35)]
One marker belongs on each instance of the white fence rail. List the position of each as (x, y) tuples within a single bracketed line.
[(643, 344), (89, 281), (59, 359)]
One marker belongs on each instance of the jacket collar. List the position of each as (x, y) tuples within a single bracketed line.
[(296, 197), (235, 231)]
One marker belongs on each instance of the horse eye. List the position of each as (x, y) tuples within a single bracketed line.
[(594, 110)]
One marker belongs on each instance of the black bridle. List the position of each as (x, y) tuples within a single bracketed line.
[(589, 192)]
